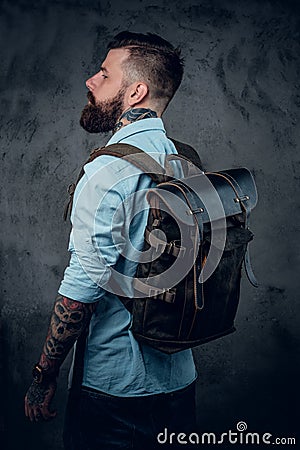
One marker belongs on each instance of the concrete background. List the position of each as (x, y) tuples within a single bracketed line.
[(238, 106)]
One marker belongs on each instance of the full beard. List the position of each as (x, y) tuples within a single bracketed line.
[(102, 117)]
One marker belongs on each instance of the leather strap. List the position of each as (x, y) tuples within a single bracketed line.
[(188, 152), (248, 269), (167, 296), (171, 248), (246, 211), (146, 163)]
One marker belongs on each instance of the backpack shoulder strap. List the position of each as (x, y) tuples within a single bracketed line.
[(146, 163), (135, 156), (188, 152)]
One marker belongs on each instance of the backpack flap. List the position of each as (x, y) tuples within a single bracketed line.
[(171, 197), (216, 195)]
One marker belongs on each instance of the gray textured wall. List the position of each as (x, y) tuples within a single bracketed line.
[(238, 105)]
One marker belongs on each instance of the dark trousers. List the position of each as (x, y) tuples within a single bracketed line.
[(97, 421)]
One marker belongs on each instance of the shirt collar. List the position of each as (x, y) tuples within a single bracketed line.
[(137, 127)]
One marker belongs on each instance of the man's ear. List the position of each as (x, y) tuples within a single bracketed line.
[(137, 92)]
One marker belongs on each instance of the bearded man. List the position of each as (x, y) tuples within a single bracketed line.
[(129, 392)]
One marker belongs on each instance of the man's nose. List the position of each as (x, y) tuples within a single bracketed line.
[(90, 83)]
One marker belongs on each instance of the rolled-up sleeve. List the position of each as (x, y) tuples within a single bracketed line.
[(96, 238)]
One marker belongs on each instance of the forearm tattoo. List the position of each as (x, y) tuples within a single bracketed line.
[(68, 320)]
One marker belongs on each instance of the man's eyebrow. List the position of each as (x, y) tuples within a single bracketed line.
[(103, 69)]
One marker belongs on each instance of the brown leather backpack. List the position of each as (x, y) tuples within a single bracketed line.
[(198, 230)]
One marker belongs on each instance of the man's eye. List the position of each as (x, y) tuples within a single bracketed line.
[(104, 76)]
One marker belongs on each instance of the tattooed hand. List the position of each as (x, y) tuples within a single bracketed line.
[(69, 319), (38, 399)]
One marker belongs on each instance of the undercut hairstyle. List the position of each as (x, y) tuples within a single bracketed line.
[(152, 60)]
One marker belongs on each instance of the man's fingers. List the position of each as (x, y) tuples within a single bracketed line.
[(37, 414), (31, 414), (46, 414), (29, 410), (51, 415), (25, 407), (37, 401)]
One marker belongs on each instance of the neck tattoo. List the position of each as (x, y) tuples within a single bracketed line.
[(132, 115)]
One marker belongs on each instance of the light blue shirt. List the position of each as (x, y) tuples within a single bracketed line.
[(108, 222)]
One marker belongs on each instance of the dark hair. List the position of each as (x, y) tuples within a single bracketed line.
[(153, 60)]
